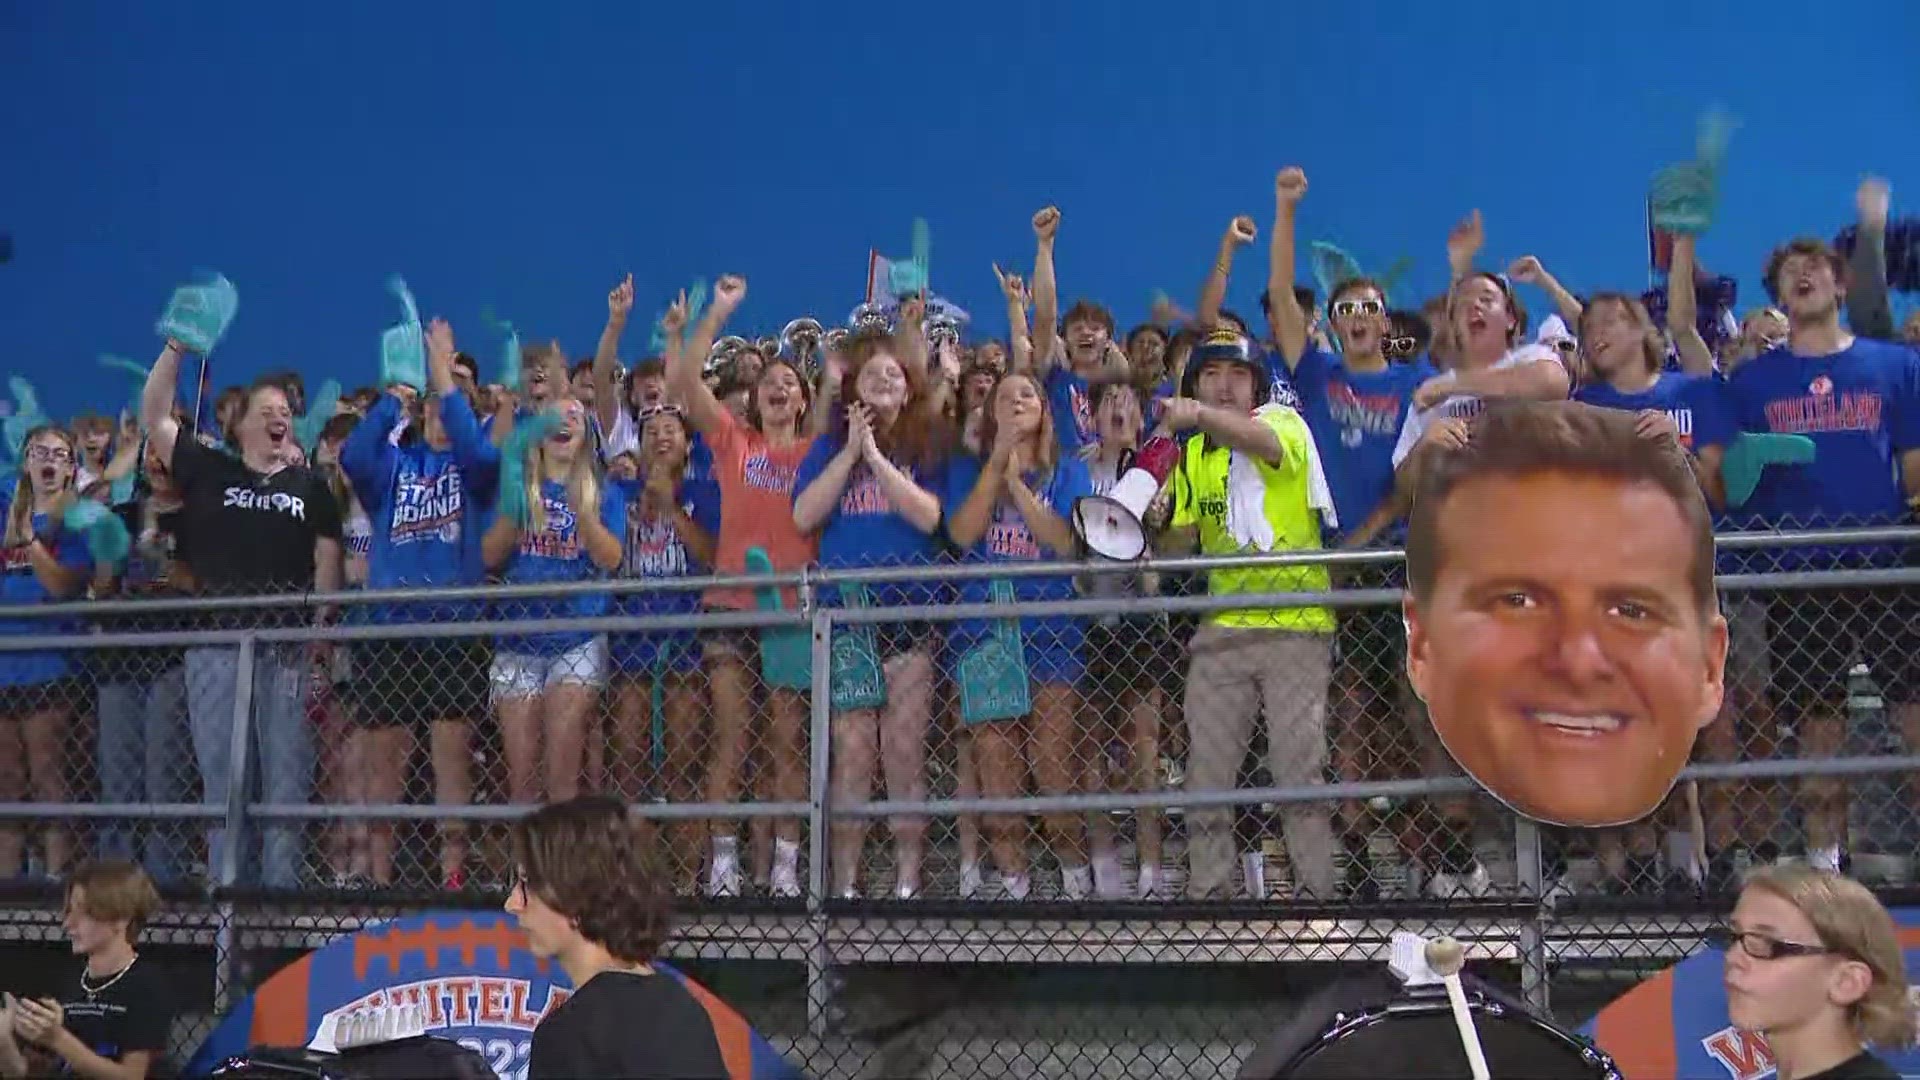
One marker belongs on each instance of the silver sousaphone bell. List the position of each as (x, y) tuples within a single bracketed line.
[(1111, 524)]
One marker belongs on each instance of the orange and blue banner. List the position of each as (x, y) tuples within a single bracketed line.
[(1675, 1024), (472, 972)]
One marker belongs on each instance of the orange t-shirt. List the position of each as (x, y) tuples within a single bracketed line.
[(756, 508)]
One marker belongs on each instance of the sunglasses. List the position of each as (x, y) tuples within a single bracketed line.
[(1760, 946), (1565, 346), (1348, 308)]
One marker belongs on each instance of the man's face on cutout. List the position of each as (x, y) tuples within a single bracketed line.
[(1563, 657)]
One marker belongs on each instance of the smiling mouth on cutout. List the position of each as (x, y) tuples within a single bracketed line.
[(1581, 726)]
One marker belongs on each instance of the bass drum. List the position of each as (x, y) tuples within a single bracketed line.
[(1406, 1035)]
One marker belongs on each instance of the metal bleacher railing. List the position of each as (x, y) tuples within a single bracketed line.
[(1178, 986)]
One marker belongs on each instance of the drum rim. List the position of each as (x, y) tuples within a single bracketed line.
[(1347, 1022)]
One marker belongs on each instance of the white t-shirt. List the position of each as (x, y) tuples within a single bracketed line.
[(1462, 405)]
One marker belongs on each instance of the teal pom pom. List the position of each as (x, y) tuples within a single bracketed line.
[(198, 315), (526, 434), (1751, 453), (27, 415), (320, 409), (923, 250), (1685, 195), (509, 352), (106, 535), (1331, 266), (403, 347)]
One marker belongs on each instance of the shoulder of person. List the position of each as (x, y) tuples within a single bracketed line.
[(1527, 353)]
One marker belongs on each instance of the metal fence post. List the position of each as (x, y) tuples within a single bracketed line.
[(1532, 943), (820, 973), (226, 946)]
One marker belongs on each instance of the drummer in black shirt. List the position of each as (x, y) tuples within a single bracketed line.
[(112, 1020)]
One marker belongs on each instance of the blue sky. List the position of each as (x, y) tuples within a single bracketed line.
[(523, 156)]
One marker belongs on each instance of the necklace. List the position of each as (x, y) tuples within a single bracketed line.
[(93, 991)]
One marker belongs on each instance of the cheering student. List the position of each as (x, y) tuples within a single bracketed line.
[(1858, 400), (253, 523), (868, 490), (1246, 483), (112, 1021), (1011, 505), (1356, 403), (1813, 962), (546, 685), (587, 892), (756, 455), (39, 691), (426, 496), (1084, 338)]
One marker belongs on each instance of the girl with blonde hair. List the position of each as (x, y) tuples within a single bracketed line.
[(1814, 964), (563, 525)]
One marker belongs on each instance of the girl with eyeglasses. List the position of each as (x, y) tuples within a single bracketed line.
[(1814, 964), (38, 690)]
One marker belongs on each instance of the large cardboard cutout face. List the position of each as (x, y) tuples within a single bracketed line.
[(1565, 663)]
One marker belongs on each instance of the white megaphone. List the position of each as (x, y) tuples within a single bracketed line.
[(1110, 524)]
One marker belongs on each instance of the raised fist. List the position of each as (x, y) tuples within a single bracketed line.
[(1290, 186), (1046, 223), (1243, 230)]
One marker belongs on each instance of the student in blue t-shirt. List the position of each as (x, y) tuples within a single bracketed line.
[(39, 690), (547, 684), (1355, 404), (1626, 369), (664, 539), (868, 489), (1014, 507), (425, 497), (1858, 400)]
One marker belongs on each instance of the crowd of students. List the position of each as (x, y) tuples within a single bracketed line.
[(895, 443)]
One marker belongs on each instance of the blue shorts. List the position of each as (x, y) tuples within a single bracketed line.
[(1052, 643), (640, 655)]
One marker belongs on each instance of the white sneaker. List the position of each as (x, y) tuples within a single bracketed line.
[(1253, 875), (1109, 880), (1017, 886), (723, 877), (1076, 882), (1445, 886), (786, 868), (1149, 882), (972, 880)]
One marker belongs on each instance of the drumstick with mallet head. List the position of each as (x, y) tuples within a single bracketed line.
[(1446, 956)]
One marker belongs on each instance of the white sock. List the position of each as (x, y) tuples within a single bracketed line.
[(1824, 858), (786, 856), (1076, 881), (1017, 885)]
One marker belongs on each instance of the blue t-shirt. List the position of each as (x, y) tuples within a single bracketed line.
[(1861, 408), (428, 508), (702, 488), (1280, 387), (1008, 539), (864, 529), (651, 547), (556, 553), (1356, 417), (1072, 410), (1684, 398), (20, 585)]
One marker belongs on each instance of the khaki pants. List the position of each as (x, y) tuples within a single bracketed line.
[(1235, 674)]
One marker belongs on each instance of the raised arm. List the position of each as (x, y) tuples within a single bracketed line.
[(1683, 311), (367, 454), (1284, 318), (684, 381), (1238, 431), (1527, 269), (1019, 335), (1463, 243), (1241, 231), (606, 384), (910, 336), (1867, 310), (156, 401), (1046, 293)]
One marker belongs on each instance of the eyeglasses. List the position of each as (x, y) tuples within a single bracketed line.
[(58, 454), (1760, 946), (1345, 308)]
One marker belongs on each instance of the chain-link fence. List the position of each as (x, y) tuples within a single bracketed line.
[(961, 834)]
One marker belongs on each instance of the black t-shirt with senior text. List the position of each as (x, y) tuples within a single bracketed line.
[(243, 532)]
